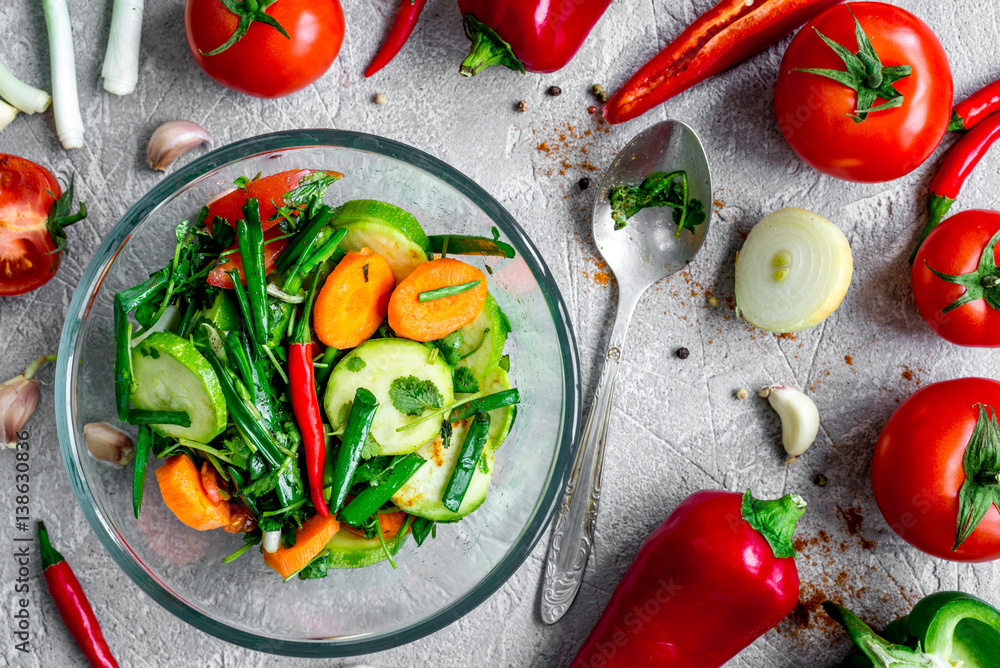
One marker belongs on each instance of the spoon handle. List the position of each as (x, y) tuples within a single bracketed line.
[(573, 533)]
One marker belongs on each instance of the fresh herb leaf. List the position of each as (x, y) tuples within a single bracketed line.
[(659, 189), (316, 569), (411, 395), (356, 364), (465, 382), (450, 347), (312, 187)]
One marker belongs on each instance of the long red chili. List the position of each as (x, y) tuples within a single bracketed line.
[(532, 35), (718, 39), (402, 26), (956, 168), (305, 404), (72, 605), (976, 107)]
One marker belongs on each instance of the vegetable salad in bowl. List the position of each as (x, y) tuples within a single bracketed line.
[(364, 376)]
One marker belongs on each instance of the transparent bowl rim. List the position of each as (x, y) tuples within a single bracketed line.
[(83, 299)]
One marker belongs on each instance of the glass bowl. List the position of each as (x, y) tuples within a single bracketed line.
[(350, 611)]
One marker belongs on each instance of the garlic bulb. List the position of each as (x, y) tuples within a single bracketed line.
[(18, 398), (108, 444), (799, 418), (173, 139)]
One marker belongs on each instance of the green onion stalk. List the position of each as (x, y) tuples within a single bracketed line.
[(20, 95), (121, 59), (7, 114), (65, 100)]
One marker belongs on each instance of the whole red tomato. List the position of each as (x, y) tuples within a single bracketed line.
[(957, 248), (32, 215), (815, 112), (918, 469), (265, 63)]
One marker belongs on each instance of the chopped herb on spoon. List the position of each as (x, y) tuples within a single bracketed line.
[(659, 189)]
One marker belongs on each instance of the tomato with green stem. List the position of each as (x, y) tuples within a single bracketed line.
[(264, 48), (956, 282), (33, 214), (864, 92)]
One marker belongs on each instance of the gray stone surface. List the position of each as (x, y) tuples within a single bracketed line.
[(677, 426)]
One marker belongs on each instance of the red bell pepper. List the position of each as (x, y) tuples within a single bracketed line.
[(532, 35), (715, 576), (731, 31)]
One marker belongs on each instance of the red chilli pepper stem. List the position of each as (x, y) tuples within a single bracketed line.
[(956, 168), (402, 26), (305, 404), (976, 107), (72, 605)]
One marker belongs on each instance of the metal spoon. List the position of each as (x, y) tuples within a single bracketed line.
[(639, 255)]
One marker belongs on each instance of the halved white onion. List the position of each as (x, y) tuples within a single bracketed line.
[(792, 272)]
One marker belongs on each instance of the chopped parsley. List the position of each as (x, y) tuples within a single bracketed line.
[(356, 364)]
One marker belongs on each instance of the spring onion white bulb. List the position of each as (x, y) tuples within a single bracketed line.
[(25, 98), (7, 114), (271, 541), (799, 418), (121, 59), (792, 272), (65, 101), (168, 320)]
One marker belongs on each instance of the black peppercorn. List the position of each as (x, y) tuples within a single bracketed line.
[(683, 353), (554, 90), (584, 183)]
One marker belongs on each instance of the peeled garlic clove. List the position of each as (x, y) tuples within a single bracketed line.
[(108, 444), (173, 139), (18, 398), (799, 418)]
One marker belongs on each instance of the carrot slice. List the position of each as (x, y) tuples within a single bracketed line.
[(354, 300), (431, 320), (219, 276), (391, 523), (185, 495), (310, 540)]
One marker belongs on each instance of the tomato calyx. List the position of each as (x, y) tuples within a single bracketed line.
[(865, 74), (248, 11), (981, 488), (983, 283), (60, 217)]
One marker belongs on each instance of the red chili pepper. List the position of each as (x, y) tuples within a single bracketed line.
[(402, 27), (731, 31), (714, 577), (305, 404), (72, 605), (532, 35), (956, 168), (976, 107)]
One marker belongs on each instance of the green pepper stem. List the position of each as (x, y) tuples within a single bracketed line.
[(775, 520), (50, 556), (488, 48)]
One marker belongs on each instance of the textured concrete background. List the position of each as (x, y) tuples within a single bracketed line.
[(676, 427)]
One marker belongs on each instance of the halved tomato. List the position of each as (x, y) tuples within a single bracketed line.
[(270, 192), (219, 276)]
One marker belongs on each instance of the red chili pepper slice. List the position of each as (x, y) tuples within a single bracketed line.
[(402, 26), (976, 107), (718, 39), (72, 604), (956, 168)]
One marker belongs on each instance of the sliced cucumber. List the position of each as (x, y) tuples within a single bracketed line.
[(388, 230), (222, 313), (501, 419), (385, 360), (169, 374), (486, 356), (350, 551), (423, 493)]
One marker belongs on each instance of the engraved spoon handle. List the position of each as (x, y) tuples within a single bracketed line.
[(573, 531)]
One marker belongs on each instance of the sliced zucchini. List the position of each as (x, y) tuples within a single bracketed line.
[(483, 340), (350, 551), (423, 493), (385, 360), (501, 419), (169, 374), (223, 314), (388, 230)]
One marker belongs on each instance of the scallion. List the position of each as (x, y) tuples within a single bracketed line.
[(121, 59), (65, 101), (25, 98), (7, 114), (447, 291)]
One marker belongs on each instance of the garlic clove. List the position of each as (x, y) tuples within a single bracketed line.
[(18, 399), (173, 139), (799, 418), (108, 444)]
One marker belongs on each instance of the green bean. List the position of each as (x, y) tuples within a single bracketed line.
[(486, 404), (143, 444), (421, 528), (123, 359), (446, 291), (472, 450), (359, 423), (367, 503), (140, 417)]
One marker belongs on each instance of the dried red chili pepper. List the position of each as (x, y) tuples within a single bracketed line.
[(72, 605), (402, 26), (532, 35), (956, 168), (976, 107), (715, 576), (718, 39), (305, 404)]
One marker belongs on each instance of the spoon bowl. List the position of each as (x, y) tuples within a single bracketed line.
[(646, 250)]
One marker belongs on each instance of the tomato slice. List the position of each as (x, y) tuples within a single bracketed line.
[(219, 276), (270, 191), (27, 193)]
